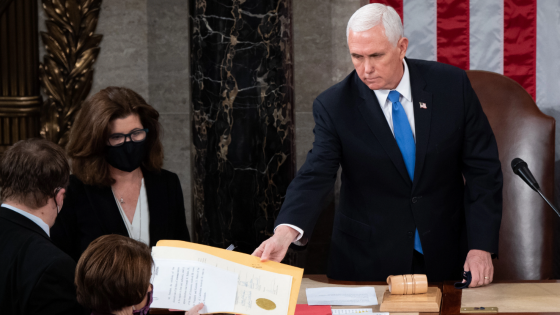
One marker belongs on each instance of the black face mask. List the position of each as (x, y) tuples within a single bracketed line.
[(126, 157)]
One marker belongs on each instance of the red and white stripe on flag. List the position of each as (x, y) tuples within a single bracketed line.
[(517, 38)]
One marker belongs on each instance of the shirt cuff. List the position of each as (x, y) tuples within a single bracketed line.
[(298, 241)]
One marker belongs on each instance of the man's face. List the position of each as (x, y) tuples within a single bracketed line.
[(377, 62)]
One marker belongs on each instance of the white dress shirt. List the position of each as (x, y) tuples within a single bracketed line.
[(139, 229), (31, 217), (387, 107)]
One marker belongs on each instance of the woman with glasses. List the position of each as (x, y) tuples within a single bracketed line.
[(118, 185)]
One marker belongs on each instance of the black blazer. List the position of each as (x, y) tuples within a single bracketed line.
[(91, 211), (35, 276), (380, 207)]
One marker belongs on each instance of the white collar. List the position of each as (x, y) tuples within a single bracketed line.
[(403, 88), (31, 217)]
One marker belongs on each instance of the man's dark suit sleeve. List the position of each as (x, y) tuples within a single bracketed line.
[(54, 292), (306, 195), (483, 176)]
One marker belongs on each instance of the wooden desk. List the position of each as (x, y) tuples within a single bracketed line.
[(451, 299)]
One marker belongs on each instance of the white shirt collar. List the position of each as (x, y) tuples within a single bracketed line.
[(403, 88), (31, 217)]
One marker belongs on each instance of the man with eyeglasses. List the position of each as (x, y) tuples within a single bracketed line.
[(35, 276)]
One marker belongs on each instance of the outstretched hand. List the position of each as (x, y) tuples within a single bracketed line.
[(275, 248), (479, 263), (194, 310)]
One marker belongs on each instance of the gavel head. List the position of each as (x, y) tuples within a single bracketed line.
[(408, 284)]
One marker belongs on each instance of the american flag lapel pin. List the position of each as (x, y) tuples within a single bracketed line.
[(423, 105)]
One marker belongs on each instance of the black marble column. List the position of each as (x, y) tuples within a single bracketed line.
[(243, 128)]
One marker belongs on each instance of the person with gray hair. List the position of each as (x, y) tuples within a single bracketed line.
[(421, 179)]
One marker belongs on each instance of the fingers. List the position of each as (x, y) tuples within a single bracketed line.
[(485, 276), (259, 251), (478, 274), (489, 274), (273, 249), (268, 248), (479, 263), (195, 309), (487, 270), (475, 274)]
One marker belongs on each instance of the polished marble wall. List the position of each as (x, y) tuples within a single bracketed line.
[(242, 107)]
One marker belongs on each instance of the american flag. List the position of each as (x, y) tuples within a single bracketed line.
[(517, 38)]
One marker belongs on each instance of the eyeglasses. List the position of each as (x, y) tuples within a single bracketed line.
[(118, 139)]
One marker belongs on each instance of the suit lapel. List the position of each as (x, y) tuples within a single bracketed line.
[(371, 111), (107, 211), (19, 219), (422, 118)]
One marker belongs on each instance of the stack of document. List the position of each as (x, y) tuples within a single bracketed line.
[(186, 274), (361, 296)]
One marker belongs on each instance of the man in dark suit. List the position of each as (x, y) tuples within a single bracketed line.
[(35, 276), (421, 179)]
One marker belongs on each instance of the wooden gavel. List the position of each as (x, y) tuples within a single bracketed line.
[(408, 284)]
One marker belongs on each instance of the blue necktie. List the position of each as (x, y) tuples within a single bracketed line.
[(405, 141)]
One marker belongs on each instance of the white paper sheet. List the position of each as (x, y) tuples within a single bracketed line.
[(252, 284), (182, 284), (362, 296)]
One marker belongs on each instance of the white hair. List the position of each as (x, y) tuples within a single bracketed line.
[(371, 15)]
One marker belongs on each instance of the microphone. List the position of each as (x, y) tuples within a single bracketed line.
[(521, 169)]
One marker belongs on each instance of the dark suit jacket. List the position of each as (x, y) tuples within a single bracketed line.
[(91, 211), (35, 276), (380, 207)]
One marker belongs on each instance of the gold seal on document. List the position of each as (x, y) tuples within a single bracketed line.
[(266, 304)]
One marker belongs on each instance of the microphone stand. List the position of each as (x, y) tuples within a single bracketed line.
[(547, 201)]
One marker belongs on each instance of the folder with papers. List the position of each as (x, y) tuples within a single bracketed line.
[(263, 288)]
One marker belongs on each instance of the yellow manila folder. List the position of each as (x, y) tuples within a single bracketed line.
[(269, 288)]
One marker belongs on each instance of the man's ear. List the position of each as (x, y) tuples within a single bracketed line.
[(402, 44), (59, 197)]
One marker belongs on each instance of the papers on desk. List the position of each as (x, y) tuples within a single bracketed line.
[(258, 291), (362, 296), (356, 311), (182, 284), (304, 309)]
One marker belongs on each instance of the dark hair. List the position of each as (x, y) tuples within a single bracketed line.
[(114, 272), (88, 139), (31, 170)]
